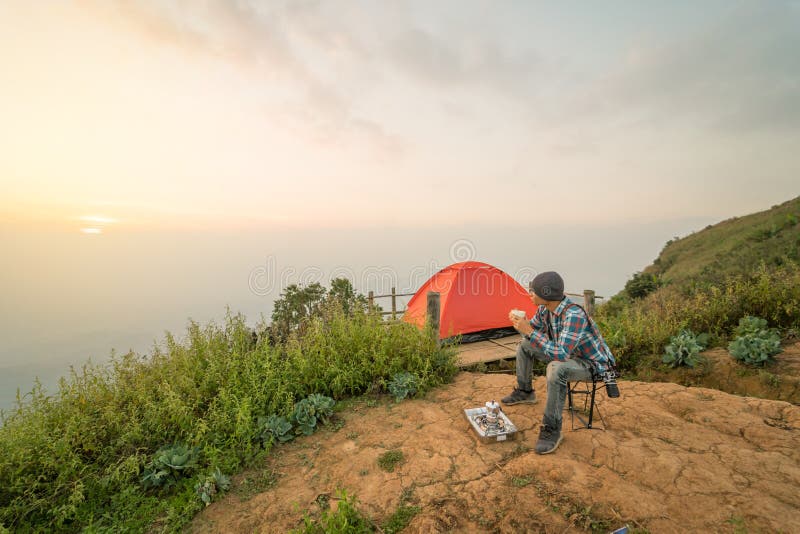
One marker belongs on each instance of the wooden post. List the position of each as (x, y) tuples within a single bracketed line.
[(394, 304), (433, 312), (588, 301), (371, 301)]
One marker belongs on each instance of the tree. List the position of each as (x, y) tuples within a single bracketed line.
[(295, 305), (342, 292), (641, 284)]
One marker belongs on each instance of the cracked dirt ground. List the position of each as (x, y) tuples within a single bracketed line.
[(673, 459)]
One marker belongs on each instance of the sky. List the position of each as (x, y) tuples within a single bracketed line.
[(156, 156)]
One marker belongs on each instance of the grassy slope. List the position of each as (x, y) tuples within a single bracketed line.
[(711, 278), (733, 246)]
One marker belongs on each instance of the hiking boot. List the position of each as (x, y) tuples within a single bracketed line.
[(549, 438), (519, 396)]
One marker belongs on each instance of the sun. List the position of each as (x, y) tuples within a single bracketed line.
[(98, 223)]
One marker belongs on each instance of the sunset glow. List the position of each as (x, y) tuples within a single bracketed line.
[(259, 116), (156, 153)]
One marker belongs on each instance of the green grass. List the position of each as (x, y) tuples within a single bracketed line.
[(736, 246), (389, 460), (347, 519), (400, 518), (520, 482), (74, 460)]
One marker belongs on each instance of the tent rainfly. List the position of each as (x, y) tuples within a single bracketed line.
[(475, 299)]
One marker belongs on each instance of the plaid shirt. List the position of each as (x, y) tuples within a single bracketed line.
[(566, 333)]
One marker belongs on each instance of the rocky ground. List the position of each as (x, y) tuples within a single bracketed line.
[(672, 459)]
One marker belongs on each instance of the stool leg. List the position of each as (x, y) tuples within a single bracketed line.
[(570, 407), (591, 406), (569, 396)]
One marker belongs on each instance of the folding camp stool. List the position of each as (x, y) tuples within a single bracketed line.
[(590, 396)]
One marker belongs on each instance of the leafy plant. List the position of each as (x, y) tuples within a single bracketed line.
[(684, 349), (323, 406), (347, 519), (213, 484), (304, 416), (755, 343), (168, 465), (403, 385), (275, 428), (311, 409)]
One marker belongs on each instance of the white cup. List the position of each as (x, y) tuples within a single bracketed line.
[(518, 313)]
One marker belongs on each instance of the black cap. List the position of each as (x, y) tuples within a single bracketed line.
[(549, 286)]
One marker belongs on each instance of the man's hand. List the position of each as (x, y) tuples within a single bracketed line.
[(520, 324)]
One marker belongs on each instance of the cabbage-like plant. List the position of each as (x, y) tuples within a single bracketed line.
[(213, 484), (308, 411), (755, 343), (684, 349), (304, 416), (403, 385), (323, 406), (169, 464), (274, 428)]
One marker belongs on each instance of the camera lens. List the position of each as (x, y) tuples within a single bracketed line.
[(612, 390)]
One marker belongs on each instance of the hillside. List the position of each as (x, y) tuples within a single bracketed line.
[(734, 246), (707, 282), (673, 459)]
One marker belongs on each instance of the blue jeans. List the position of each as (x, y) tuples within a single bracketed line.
[(558, 374)]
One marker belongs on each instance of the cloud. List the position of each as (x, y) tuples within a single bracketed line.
[(465, 62), (742, 73), (287, 46)]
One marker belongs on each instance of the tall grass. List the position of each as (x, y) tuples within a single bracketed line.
[(73, 460), (635, 328)]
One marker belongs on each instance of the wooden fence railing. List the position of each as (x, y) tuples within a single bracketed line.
[(589, 298), (371, 296)]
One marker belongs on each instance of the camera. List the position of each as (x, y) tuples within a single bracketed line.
[(610, 380)]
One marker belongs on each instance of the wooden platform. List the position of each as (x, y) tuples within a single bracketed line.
[(487, 351)]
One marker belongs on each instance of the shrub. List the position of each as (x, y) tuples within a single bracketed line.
[(635, 329), (403, 385), (684, 349), (641, 284), (74, 460), (755, 344)]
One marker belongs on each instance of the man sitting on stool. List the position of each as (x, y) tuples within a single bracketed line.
[(562, 334)]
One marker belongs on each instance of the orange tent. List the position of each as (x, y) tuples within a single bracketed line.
[(474, 297)]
